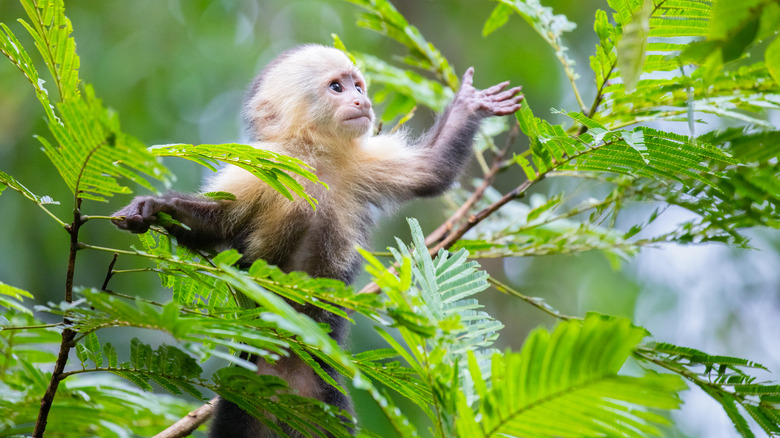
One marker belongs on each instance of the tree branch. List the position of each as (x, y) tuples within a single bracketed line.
[(67, 334), (447, 242), (517, 193), (110, 272), (192, 421), (490, 176)]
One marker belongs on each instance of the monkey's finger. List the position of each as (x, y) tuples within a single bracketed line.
[(120, 223), (508, 106), (508, 94), (468, 77), (495, 88), (505, 111), (515, 101), (136, 224)]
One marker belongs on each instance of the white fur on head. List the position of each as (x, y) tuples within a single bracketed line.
[(286, 100)]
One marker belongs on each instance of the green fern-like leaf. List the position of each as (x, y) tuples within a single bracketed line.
[(195, 285), (92, 151), (382, 17), (396, 377), (281, 314), (191, 287), (726, 381), (643, 152), (271, 168), (410, 88), (566, 383), (51, 30), (88, 405), (267, 398), (446, 284), (15, 51), (12, 298), (709, 89), (234, 331), (543, 226)]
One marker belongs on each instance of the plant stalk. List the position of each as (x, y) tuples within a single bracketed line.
[(67, 334)]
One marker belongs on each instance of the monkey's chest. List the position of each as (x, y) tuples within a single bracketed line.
[(329, 234)]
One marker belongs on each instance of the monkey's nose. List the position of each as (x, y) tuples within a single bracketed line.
[(361, 102)]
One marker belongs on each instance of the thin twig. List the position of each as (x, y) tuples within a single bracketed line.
[(152, 302), (110, 272), (111, 218), (52, 215), (188, 424), (129, 271), (534, 301), (146, 255), (30, 327)]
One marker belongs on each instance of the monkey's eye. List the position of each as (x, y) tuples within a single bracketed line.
[(335, 86), (359, 89)]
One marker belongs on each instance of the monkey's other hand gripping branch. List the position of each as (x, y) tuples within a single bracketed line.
[(201, 216)]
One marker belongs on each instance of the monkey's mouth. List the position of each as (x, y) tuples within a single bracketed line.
[(357, 118)]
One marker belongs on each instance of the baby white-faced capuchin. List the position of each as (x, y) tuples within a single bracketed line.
[(311, 103)]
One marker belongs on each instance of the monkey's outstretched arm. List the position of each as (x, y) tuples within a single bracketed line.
[(444, 150), (204, 217)]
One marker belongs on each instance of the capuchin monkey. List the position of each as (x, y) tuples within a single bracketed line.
[(311, 103)]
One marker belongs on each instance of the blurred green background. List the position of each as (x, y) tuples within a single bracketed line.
[(176, 71)]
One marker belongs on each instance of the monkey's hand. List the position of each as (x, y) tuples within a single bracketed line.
[(140, 214), (493, 101), (198, 222)]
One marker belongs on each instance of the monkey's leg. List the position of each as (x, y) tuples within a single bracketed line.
[(230, 421)]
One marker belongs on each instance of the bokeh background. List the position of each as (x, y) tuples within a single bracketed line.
[(176, 70)]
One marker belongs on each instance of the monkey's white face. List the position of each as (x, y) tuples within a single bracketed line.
[(352, 113)]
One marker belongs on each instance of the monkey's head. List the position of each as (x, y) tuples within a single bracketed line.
[(310, 92)]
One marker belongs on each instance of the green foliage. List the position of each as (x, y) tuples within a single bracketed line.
[(92, 405), (11, 297), (668, 60), (445, 285), (723, 378), (236, 331), (261, 395), (549, 26), (439, 323), (404, 88), (92, 150), (532, 393), (166, 366), (543, 226), (381, 16), (271, 168)]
